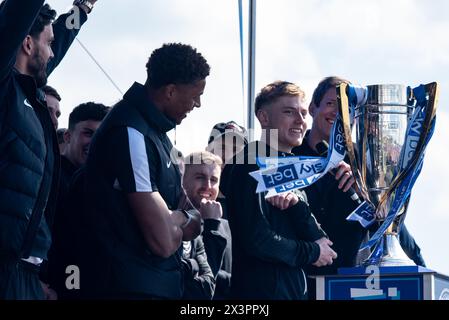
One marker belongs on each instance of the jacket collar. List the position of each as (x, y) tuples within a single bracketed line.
[(305, 149), (67, 166), (272, 152), (28, 85), (136, 95)]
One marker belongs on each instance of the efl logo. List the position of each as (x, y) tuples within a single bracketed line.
[(373, 291), (282, 175), (366, 212)]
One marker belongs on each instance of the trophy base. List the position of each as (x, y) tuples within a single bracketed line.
[(388, 253), (388, 283)]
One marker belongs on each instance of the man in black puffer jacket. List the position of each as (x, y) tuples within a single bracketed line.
[(29, 156)]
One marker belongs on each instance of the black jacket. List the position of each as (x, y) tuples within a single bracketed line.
[(219, 253), (331, 206), (269, 246), (410, 247), (202, 280), (199, 280), (29, 154), (116, 255), (64, 232)]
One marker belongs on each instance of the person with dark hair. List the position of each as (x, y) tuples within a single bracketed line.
[(29, 167), (271, 246), (133, 217), (84, 120), (52, 98)]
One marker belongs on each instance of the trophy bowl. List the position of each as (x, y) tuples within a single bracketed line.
[(383, 119)]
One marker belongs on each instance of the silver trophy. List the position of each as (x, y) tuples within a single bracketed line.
[(381, 122)]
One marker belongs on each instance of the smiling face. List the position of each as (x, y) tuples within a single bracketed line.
[(287, 115), (183, 98), (201, 181), (324, 115), (78, 141)]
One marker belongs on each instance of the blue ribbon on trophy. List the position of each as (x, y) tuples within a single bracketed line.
[(280, 175), (394, 124)]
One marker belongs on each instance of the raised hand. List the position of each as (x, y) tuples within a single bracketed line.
[(211, 209)]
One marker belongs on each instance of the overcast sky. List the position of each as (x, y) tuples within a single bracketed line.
[(368, 42)]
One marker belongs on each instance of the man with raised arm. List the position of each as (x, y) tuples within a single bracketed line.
[(32, 46)]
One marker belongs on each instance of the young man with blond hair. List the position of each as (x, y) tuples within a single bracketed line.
[(212, 250), (271, 246)]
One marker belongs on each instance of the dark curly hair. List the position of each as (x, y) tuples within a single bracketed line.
[(176, 63), (50, 91), (45, 17), (87, 111), (323, 86)]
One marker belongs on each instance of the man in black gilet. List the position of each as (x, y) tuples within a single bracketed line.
[(134, 224)]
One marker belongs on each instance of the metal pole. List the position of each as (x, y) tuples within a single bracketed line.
[(251, 66)]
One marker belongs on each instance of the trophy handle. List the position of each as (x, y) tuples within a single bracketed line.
[(397, 223), (432, 89), (343, 108)]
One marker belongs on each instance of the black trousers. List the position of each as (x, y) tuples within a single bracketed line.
[(19, 280)]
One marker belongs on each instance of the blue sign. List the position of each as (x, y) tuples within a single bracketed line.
[(395, 287)]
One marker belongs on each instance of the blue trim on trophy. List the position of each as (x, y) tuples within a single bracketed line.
[(384, 270), (272, 162), (402, 193), (420, 95)]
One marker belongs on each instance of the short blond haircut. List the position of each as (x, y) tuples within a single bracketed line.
[(275, 90), (202, 157)]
